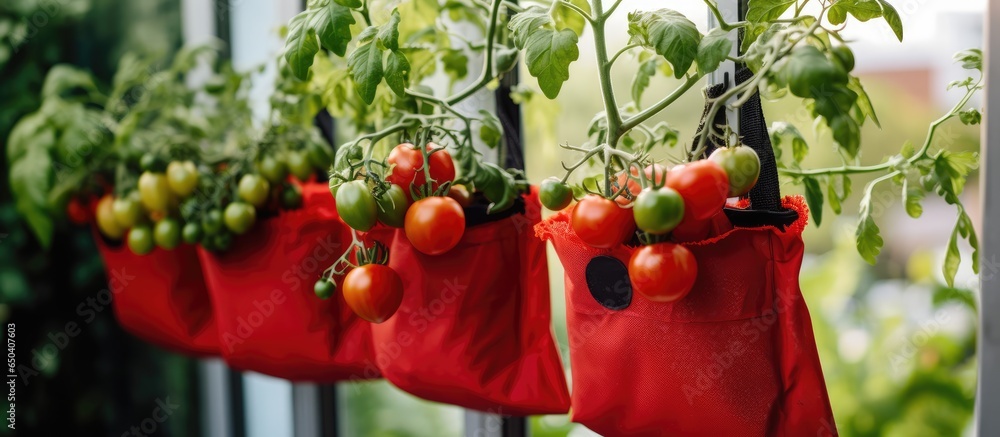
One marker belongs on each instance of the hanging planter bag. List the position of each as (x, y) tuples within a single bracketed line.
[(161, 297), (270, 320), (474, 326), (736, 356)]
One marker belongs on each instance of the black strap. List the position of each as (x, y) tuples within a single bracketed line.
[(509, 114)]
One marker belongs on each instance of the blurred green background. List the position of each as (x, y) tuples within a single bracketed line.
[(897, 347)]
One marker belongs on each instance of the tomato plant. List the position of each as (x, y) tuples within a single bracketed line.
[(434, 225), (662, 272)]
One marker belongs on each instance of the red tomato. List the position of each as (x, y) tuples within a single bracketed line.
[(634, 187), (434, 225), (373, 291), (408, 167), (78, 212), (691, 230), (703, 185), (662, 272), (601, 223)]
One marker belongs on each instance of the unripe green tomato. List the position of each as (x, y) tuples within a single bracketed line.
[(182, 178), (356, 205), (845, 56), (191, 234), (212, 221), (254, 190), (221, 241), (152, 163), (127, 211), (167, 233), (741, 164), (140, 240), (392, 207), (555, 194), (299, 165), (324, 288), (658, 211), (239, 217), (273, 169), (154, 192)]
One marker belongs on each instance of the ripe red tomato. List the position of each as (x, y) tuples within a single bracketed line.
[(77, 212), (662, 272), (634, 187), (434, 225), (601, 223), (703, 185), (408, 167), (373, 291), (691, 230)]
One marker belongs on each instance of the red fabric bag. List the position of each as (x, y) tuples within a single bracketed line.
[(270, 320), (161, 297), (474, 326), (735, 357)]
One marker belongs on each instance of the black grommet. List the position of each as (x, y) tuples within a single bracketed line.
[(607, 279)]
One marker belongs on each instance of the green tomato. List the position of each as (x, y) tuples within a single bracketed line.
[(154, 191), (191, 233), (182, 178), (555, 194), (140, 240), (167, 233), (254, 190), (356, 205), (392, 206), (741, 165), (845, 57), (273, 169), (658, 211), (127, 211), (299, 165), (221, 241), (808, 71), (324, 288), (212, 221), (239, 217), (291, 197)]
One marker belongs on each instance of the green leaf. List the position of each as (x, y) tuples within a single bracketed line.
[(62, 78), (490, 130), (832, 198), (388, 33), (300, 45), (332, 24), (548, 54), (566, 18), (952, 259), (864, 103), (641, 80), (951, 170), (838, 188), (365, 67), (455, 63), (814, 198), (785, 133), (971, 59), (863, 10), (912, 195), (847, 134), (353, 4), (892, 18), (665, 134), (525, 23), (966, 230), (670, 34), (970, 116), (759, 11), (30, 182), (867, 236), (397, 72), (713, 49)]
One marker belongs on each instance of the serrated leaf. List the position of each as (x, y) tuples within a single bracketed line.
[(641, 80), (951, 170), (971, 59), (965, 83), (970, 116), (912, 195), (665, 134), (548, 54), (301, 45), (397, 72), (759, 11), (388, 33), (867, 236), (847, 134), (490, 130), (670, 34), (814, 198), (864, 102), (332, 24), (713, 49), (892, 18), (862, 10), (365, 67), (566, 18), (523, 24), (787, 134)]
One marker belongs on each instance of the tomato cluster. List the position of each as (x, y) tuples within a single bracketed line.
[(371, 289), (677, 203)]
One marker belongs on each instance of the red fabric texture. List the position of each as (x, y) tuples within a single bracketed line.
[(474, 326), (161, 297), (270, 320), (735, 357)]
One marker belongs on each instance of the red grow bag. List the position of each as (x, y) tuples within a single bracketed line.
[(270, 321), (474, 326), (734, 357), (161, 297)]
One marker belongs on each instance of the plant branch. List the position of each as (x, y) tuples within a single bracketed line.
[(622, 51), (610, 11), (604, 73), (487, 74), (576, 9), (649, 112)]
